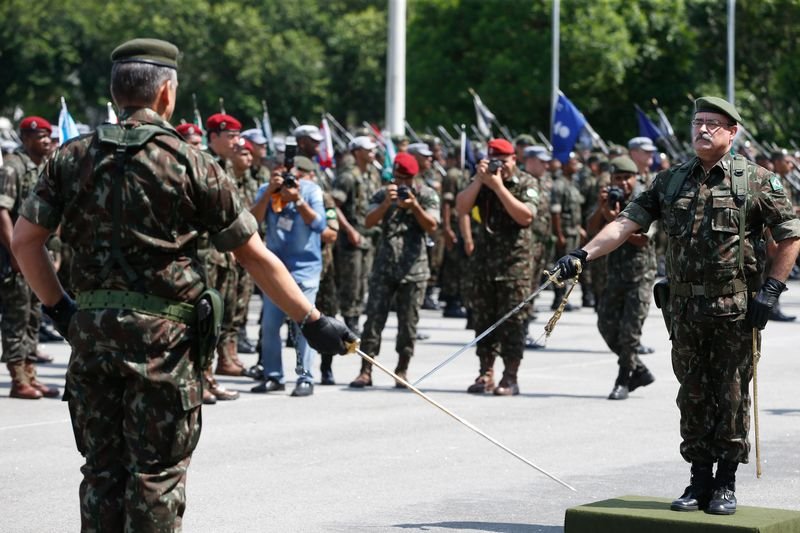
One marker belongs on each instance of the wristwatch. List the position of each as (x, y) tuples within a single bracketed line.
[(299, 202)]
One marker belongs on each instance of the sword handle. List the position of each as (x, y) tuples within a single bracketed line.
[(352, 346)]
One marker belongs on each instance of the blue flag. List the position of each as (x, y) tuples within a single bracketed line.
[(647, 127), (568, 123), (388, 159), (67, 129)]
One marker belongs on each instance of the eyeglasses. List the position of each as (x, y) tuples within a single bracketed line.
[(711, 125)]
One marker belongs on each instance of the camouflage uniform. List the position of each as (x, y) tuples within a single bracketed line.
[(711, 341), (454, 264), (327, 296), (400, 271), (133, 380), (21, 310), (542, 230), (248, 187), (566, 203), (504, 267)]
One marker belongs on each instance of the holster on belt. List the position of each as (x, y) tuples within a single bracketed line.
[(209, 309), (661, 298)]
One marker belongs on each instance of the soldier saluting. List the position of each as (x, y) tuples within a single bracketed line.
[(131, 200), (715, 209)]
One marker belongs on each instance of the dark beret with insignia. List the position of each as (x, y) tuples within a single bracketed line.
[(152, 51), (714, 104)]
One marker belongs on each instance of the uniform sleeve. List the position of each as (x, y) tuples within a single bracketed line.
[(315, 202), (776, 209), (646, 208), (555, 197), (528, 194), (376, 199), (44, 207), (430, 203), (8, 185), (331, 218)]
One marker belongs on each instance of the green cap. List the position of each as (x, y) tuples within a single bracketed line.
[(303, 163), (524, 139), (714, 104), (623, 164), (152, 51)]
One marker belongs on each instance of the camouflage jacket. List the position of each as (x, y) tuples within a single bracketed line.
[(542, 222), (567, 200), (401, 253), (18, 177), (702, 224), (506, 249), (171, 193), (354, 189)]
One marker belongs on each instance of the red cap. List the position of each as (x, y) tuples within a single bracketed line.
[(34, 124), (221, 122), (406, 163), (187, 129), (500, 147), (245, 144)]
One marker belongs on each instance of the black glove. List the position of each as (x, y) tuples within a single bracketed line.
[(328, 335), (567, 268), (61, 314), (761, 306)]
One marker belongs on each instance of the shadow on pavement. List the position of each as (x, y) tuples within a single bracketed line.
[(493, 527)]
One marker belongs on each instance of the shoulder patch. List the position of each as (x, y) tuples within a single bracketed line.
[(330, 214), (531, 193), (775, 183)]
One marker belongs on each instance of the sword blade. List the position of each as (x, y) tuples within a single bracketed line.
[(490, 329), (460, 420)]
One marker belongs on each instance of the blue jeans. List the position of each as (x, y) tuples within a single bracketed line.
[(271, 350)]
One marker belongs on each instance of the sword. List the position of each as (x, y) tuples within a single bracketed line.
[(756, 357), (353, 348), (551, 278)]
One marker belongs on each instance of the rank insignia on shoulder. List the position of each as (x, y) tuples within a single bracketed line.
[(775, 183)]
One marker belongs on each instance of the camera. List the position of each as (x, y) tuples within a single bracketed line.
[(402, 192), (615, 196), (495, 165), (289, 181)]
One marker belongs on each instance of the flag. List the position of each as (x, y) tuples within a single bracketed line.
[(266, 128), (484, 117), (646, 126), (112, 116), (666, 127), (326, 146), (388, 158), (568, 123), (66, 125), (467, 153)]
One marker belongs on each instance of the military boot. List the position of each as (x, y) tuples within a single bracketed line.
[(508, 385), (326, 369), (698, 493), (30, 373), (641, 377), (228, 363), (401, 371), (723, 499), (622, 384), (221, 393), (20, 386), (485, 381), (243, 344), (364, 378)]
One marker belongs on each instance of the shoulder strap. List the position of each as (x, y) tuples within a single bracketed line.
[(739, 186)]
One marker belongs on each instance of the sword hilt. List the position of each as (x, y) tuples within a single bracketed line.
[(352, 346)]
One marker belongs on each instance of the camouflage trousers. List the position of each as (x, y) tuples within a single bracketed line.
[(620, 316), (224, 279), (21, 316), (327, 297), (352, 269), (408, 300), (493, 299), (451, 275), (713, 362), (136, 419), (244, 291)]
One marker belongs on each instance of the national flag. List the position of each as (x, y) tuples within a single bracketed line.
[(112, 116), (266, 127), (467, 153), (66, 125), (326, 146), (484, 117), (666, 127), (647, 127), (568, 122), (388, 158)]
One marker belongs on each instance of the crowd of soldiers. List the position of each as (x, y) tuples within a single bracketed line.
[(394, 262)]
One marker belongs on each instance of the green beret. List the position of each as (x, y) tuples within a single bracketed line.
[(714, 104), (152, 51), (623, 164), (303, 163)]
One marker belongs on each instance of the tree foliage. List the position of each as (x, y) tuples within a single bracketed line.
[(308, 56)]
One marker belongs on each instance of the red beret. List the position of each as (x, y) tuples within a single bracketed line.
[(221, 122), (245, 144), (406, 163), (35, 123), (500, 147), (187, 129)]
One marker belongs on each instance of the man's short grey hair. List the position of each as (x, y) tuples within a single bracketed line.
[(138, 83)]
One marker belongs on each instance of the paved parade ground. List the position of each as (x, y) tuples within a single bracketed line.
[(382, 459)]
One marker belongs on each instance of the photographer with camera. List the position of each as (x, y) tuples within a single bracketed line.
[(407, 211), (507, 200), (622, 310), (293, 207)]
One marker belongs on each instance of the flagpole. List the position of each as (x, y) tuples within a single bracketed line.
[(396, 68), (555, 66), (731, 47)]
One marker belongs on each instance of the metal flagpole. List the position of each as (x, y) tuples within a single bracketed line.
[(731, 48)]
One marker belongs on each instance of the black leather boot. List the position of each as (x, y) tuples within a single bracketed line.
[(622, 384), (698, 493), (723, 499), (641, 377)]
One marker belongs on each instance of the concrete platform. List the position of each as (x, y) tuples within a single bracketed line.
[(637, 514)]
